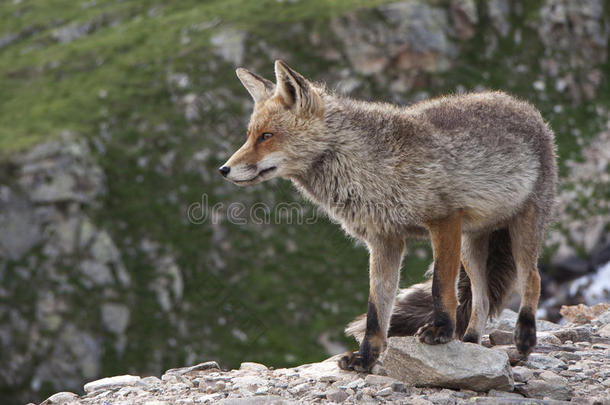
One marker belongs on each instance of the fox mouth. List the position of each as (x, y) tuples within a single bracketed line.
[(258, 175)]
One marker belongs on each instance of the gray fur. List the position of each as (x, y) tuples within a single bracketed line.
[(383, 172)]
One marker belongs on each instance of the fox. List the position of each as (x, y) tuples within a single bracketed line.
[(474, 173)]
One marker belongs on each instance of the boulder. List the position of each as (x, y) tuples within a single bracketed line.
[(454, 365)]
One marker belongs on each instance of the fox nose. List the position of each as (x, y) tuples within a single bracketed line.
[(224, 170)]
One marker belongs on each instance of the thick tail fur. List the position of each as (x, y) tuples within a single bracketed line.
[(413, 306)]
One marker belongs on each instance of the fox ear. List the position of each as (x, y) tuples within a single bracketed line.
[(259, 88), (295, 90)]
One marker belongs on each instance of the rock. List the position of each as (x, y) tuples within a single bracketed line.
[(104, 250), (499, 12), (540, 361), (328, 370), (97, 272), (548, 338), (20, 227), (544, 389), (399, 386), (384, 392), (522, 374), (150, 380), (249, 382), (111, 382), (262, 400), (8, 39), (454, 365), (198, 367), (501, 337), (336, 395), (115, 317), (577, 334), (604, 331), (249, 366), (59, 189), (373, 379), (504, 394), (60, 398), (71, 32), (411, 36), (581, 314), (551, 377)]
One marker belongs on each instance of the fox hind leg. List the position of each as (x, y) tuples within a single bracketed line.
[(385, 258), (446, 240), (474, 259), (526, 235)]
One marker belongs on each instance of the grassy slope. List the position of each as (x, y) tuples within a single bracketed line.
[(48, 87)]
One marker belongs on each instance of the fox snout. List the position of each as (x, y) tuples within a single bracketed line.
[(245, 173), (224, 170)]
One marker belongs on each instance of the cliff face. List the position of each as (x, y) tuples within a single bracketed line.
[(122, 250)]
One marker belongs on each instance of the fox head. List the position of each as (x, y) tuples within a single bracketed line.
[(285, 128)]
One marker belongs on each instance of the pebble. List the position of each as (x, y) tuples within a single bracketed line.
[(336, 395), (111, 382), (249, 366), (384, 392), (522, 374), (61, 398), (373, 379), (541, 361)]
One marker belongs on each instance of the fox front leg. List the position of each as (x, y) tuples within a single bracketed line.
[(385, 258), (446, 235)]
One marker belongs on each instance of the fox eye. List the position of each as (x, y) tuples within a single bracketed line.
[(264, 136)]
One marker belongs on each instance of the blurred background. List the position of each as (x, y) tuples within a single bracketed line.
[(119, 249)]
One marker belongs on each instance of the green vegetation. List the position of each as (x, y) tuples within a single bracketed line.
[(48, 86)]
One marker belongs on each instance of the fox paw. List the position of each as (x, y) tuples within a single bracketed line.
[(354, 361), (471, 336), (525, 334), (434, 335)]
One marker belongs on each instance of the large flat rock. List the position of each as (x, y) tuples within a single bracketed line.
[(453, 365)]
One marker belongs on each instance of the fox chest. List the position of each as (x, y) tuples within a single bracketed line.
[(362, 216)]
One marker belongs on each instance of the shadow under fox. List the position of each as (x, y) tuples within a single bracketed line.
[(474, 173)]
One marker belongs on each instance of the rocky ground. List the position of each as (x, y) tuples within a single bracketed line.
[(570, 364)]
